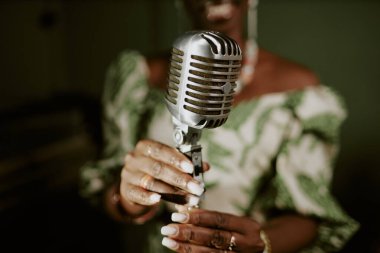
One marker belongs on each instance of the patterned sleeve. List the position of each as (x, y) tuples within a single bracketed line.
[(304, 166), (123, 101)]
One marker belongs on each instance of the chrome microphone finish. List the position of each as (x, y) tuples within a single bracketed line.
[(204, 68)]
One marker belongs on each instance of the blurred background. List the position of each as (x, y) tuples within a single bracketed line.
[(53, 58)]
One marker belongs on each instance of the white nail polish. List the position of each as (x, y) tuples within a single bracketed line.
[(187, 167), (168, 230), (192, 200), (195, 188), (171, 244), (179, 217), (154, 197)]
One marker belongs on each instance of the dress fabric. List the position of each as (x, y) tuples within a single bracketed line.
[(275, 153)]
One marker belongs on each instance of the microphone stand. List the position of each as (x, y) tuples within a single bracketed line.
[(186, 139)]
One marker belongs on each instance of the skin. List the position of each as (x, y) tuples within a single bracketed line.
[(165, 167), (203, 229)]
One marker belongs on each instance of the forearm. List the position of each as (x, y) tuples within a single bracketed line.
[(291, 232)]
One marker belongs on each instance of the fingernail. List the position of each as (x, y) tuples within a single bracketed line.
[(187, 167), (192, 200), (168, 230), (171, 244), (154, 197), (195, 188), (179, 217)]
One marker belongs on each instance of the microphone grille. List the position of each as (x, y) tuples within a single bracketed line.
[(210, 88), (221, 44), (203, 72), (174, 75)]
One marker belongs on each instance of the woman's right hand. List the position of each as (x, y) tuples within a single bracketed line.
[(152, 169)]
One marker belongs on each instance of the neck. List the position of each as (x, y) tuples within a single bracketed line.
[(250, 55)]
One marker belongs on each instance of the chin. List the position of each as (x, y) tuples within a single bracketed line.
[(221, 26)]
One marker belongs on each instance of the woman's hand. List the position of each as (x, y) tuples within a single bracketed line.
[(152, 169), (201, 231)]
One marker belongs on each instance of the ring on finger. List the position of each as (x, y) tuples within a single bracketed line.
[(152, 151), (217, 246), (232, 243), (146, 181), (218, 242), (149, 150)]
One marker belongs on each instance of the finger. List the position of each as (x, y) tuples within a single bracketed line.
[(213, 238), (165, 154), (205, 166), (138, 195), (187, 247), (164, 172), (213, 219), (181, 198), (181, 208), (140, 179), (167, 192)]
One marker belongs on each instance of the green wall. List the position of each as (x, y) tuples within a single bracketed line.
[(340, 41)]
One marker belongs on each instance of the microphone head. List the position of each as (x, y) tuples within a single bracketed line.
[(204, 68)]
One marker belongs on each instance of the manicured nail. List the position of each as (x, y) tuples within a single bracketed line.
[(192, 200), (154, 197), (169, 230), (171, 244), (187, 167), (195, 188), (179, 217)]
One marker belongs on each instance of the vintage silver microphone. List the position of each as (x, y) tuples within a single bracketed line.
[(204, 68)]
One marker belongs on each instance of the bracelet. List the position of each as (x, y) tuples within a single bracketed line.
[(265, 238)]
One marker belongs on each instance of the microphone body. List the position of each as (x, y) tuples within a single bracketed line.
[(204, 68)]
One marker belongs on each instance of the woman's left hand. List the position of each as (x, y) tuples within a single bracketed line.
[(201, 231)]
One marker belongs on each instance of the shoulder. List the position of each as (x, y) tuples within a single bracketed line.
[(127, 72), (127, 63), (277, 74), (320, 110), (128, 60)]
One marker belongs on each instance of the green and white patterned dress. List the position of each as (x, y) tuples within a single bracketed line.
[(274, 153)]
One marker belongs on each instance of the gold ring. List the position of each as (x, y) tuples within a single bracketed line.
[(152, 151), (149, 150), (217, 244), (145, 181), (232, 243)]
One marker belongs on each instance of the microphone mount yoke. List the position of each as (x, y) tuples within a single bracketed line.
[(186, 139)]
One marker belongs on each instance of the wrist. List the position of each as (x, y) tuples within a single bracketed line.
[(140, 214), (125, 211)]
